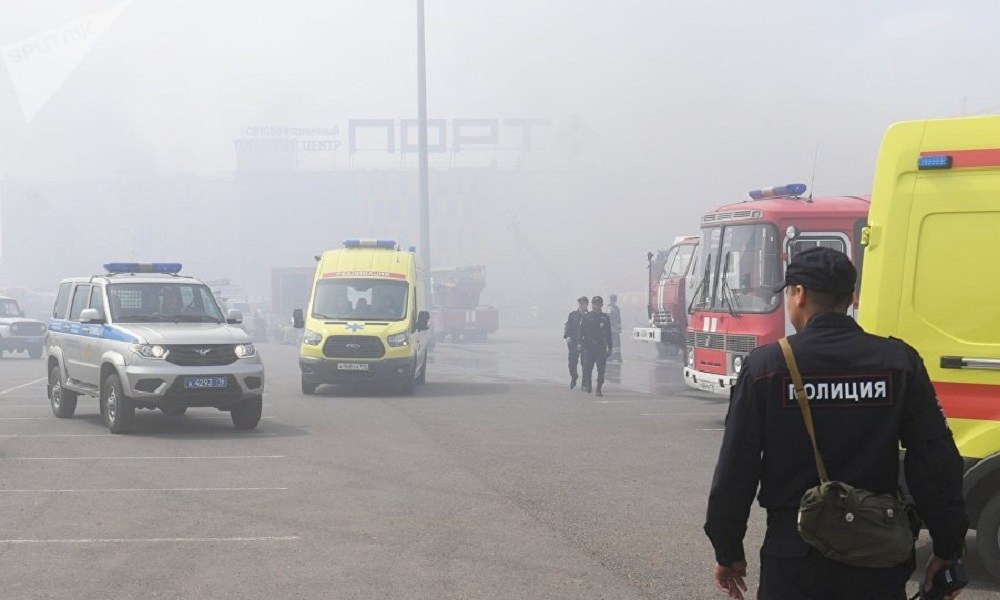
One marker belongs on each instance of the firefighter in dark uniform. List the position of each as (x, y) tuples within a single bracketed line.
[(615, 314), (571, 333), (869, 396), (595, 344)]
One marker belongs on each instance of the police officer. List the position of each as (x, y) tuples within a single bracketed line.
[(869, 395), (615, 315), (595, 343), (571, 333)]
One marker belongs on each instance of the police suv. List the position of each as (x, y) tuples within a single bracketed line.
[(18, 333), (143, 336)]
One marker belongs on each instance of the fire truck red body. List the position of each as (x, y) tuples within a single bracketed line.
[(456, 312), (743, 253), (670, 273)]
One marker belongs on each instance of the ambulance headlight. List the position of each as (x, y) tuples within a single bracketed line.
[(737, 364), (245, 351), (399, 339), (691, 357), (151, 351), (311, 338)]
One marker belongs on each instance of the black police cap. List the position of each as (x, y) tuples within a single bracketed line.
[(597, 300), (822, 270)]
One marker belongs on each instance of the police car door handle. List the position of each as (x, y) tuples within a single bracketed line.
[(963, 362)]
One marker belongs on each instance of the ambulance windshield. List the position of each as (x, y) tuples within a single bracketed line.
[(741, 266), (344, 299)]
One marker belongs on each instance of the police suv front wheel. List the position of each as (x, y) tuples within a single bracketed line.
[(246, 415), (117, 409), (62, 400)]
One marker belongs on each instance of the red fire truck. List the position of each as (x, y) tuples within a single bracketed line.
[(743, 252), (456, 311), (670, 273)]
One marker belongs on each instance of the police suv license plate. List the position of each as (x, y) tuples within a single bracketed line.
[(198, 383), (352, 366)]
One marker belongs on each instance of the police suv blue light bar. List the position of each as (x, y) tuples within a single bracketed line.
[(161, 268), (781, 191), (933, 162), (370, 243)]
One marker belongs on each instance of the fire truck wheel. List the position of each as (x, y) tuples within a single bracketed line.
[(988, 536), (668, 350), (308, 388)]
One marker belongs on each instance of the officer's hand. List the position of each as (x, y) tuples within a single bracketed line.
[(730, 579), (934, 566)]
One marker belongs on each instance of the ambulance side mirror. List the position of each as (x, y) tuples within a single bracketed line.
[(423, 320), (298, 321)]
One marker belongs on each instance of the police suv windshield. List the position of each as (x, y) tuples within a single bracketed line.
[(9, 308), (360, 300), (163, 303), (741, 267)]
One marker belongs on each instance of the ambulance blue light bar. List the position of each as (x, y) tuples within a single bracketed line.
[(370, 243), (792, 189), (933, 162), (161, 268)]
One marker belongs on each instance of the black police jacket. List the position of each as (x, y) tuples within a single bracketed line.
[(571, 330), (868, 395), (595, 332)]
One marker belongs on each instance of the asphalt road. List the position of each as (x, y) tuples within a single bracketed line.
[(493, 481)]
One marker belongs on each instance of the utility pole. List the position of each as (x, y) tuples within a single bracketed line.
[(425, 217)]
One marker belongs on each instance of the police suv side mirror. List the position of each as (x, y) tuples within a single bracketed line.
[(91, 315), (234, 317), (298, 321), (423, 320)]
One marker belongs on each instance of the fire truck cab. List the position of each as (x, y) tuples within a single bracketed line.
[(670, 275), (930, 279), (742, 256)]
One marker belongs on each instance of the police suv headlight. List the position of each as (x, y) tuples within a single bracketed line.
[(691, 357), (245, 351), (399, 339), (737, 364), (150, 351), (311, 338)]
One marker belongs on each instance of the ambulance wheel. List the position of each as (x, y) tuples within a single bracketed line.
[(246, 415), (988, 536), (117, 409), (308, 388), (35, 353), (174, 411), (62, 400)]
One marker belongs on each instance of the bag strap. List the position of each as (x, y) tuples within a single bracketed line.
[(800, 396)]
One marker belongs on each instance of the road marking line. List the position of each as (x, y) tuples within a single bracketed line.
[(287, 538), (613, 402), (677, 414), (103, 490), (137, 457), (54, 435), (18, 387)]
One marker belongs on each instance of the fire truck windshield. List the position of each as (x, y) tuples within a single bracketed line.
[(677, 261), (741, 266)]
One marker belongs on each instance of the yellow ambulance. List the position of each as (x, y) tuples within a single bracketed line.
[(367, 320), (930, 278)]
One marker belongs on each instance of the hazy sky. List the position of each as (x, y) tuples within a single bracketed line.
[(689, 103)]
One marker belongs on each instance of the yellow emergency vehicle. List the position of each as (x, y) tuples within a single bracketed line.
[(367, 320), (930, 278)]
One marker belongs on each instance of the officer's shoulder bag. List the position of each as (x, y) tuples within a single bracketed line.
[(848, 525)]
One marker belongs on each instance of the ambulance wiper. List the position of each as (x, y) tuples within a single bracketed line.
[(728, 297)]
